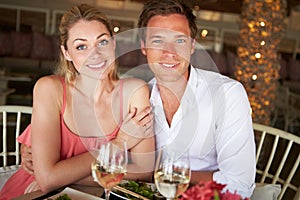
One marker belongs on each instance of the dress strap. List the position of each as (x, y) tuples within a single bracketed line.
[(121, 102), (114, 134), (64, 95)]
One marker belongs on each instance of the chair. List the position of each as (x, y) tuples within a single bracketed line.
[(281, 105), (294, 111), (12, 116), (278, 157), (13, 120)]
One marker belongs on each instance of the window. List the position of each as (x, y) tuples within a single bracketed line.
[(25, 19)]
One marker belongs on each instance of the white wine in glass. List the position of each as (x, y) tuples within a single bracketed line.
[(110, 164), (172, 173)]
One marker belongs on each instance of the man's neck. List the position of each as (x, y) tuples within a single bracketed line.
[(171, 94)]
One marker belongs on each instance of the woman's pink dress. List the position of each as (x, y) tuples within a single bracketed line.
[(71, 145)]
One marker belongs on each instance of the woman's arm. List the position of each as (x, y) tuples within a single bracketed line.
[(142, 154), (50, 171)]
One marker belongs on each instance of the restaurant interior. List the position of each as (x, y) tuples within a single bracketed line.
[(228, 34)]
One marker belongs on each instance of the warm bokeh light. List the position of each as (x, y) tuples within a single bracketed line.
[(262, 24), (257, 67), (254, 77), (204, 33), (116, 29), (258, 55)]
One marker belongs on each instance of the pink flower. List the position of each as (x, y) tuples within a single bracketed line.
[(209, 191)]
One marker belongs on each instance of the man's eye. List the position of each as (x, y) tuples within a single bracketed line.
[(81, 47), (157, 41), (180, 41)]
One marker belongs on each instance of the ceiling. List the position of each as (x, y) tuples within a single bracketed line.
[(230, 6)]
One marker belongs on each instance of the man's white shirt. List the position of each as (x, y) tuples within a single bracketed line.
[(214, 122)]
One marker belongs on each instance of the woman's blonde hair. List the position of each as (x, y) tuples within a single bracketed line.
[(86, 12)]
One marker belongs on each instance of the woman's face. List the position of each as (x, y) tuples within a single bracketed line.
[(90, 48)]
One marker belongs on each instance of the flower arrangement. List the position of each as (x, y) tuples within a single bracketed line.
[(209, 191)]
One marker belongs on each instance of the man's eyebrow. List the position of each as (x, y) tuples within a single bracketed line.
[(155, 36), (161, 36)]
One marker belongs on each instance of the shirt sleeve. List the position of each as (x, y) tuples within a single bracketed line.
[(235, 143)]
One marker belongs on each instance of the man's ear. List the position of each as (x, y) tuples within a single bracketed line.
[(193, 46), (143, 49), (65, 53)]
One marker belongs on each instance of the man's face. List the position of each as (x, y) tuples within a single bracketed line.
[(168, 46)]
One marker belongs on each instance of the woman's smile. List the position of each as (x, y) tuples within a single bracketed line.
[(97, 66)]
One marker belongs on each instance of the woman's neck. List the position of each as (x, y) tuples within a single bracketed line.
[(91, 87)]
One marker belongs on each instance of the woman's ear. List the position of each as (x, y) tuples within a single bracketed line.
[(143, 49), (65, 53)]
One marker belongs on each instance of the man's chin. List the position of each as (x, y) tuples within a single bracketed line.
[(168, 78)]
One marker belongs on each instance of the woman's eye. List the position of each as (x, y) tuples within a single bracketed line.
[(81, 47), (103, 42)]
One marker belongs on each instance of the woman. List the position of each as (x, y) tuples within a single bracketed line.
[(84, 100)]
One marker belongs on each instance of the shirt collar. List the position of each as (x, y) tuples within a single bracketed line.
[(189, 94)]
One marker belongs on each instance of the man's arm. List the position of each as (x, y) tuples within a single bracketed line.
[(26, 158), (199, 176)]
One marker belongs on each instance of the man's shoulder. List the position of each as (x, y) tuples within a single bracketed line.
[(213, 77)]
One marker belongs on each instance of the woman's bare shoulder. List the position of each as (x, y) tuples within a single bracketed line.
[(48, 82), (135, 83), (48, 85)]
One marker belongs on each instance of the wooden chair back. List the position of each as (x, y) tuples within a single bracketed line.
[(278, 157), (14, 119)]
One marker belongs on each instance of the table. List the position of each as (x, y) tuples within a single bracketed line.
[(5, 78), (3, 94), (93, 190)]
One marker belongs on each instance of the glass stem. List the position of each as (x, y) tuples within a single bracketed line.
[(107, 194)]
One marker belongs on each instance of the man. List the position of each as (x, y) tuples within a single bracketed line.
[(202, 111)]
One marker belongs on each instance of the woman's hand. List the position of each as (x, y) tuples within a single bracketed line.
[(32, 187), (26, 158), (136, 127)]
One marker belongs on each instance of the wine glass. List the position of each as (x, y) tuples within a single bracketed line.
[(172, 173), (110, 164)]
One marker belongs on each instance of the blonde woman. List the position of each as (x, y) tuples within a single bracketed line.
[(85, 99)]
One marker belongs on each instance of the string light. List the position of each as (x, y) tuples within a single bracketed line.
[(257, 67), (262, 24), (204, 33), (257, 55), (254, 77), (116, 29)]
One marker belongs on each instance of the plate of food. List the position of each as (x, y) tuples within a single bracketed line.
[(72, 194), (136, 190)]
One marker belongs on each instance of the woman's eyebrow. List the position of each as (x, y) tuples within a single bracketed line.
[(83, 39), (101, 35)]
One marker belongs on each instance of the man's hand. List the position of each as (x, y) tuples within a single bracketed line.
[(26, 158), (136, 127)]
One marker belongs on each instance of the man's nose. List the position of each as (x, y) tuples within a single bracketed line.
[(169, 48)]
